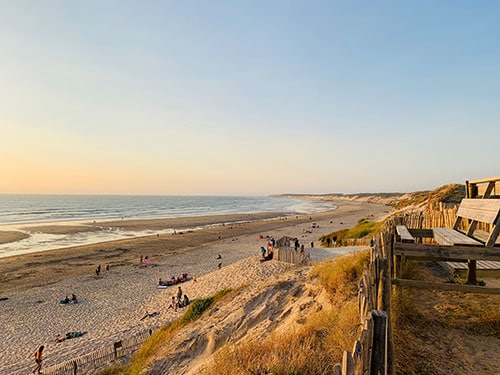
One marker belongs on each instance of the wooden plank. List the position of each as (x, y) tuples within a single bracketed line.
[(484, 210), (449, 236), (445, 286), (404, 234), (421, 233), (485, 180), (442, 251)]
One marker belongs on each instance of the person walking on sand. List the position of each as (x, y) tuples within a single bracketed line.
[(38, 360)]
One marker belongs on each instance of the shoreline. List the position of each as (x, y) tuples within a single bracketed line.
[(115, 301), (96, 232)]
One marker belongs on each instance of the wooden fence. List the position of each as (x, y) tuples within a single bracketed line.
[(90, 362), (290, 255), (372, 352)]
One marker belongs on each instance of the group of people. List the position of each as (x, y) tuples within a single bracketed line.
[(174, 280), (98, 269), (181, 300), (266, 254), (66, 300)]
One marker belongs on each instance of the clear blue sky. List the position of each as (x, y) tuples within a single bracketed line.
[(247, 97)]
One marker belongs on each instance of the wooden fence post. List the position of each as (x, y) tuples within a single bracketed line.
[(357, 358), (347, 364), (379, 354), (117, 345)]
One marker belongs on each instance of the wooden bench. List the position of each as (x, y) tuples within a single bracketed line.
[(404, 234), (475, 210)]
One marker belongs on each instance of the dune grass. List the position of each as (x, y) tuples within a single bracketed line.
[(310, 348)]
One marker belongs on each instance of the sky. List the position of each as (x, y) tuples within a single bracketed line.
[(247, 97)]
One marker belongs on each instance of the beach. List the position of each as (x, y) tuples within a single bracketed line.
[(115, 301)]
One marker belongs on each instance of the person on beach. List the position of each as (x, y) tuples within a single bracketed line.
[(38, 359), (73, 298), (263, 251), (173, 304), (179, 296), (220, 265), (186, 300)]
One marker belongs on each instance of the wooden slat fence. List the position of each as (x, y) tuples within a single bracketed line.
[(372, 352), (103, 357), (290, 255)]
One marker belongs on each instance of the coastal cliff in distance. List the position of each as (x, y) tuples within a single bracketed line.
[(383, 198), (452, 193)]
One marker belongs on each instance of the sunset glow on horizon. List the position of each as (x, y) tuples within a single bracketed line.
[(248, 98)]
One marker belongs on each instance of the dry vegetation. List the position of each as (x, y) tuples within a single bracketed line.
[(442, 332)]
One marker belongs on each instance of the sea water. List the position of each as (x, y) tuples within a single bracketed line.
[(17, 211)]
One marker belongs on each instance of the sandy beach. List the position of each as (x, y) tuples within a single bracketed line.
[(32, 285)]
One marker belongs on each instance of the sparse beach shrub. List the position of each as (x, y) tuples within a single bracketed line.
[(363, 228)]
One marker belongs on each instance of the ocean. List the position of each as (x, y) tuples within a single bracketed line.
[(18, 211)]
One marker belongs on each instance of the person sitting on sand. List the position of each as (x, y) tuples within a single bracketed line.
[(66, 300), (73, 298), (186, 300), (269, 256), (173, 304), (263, 251)]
